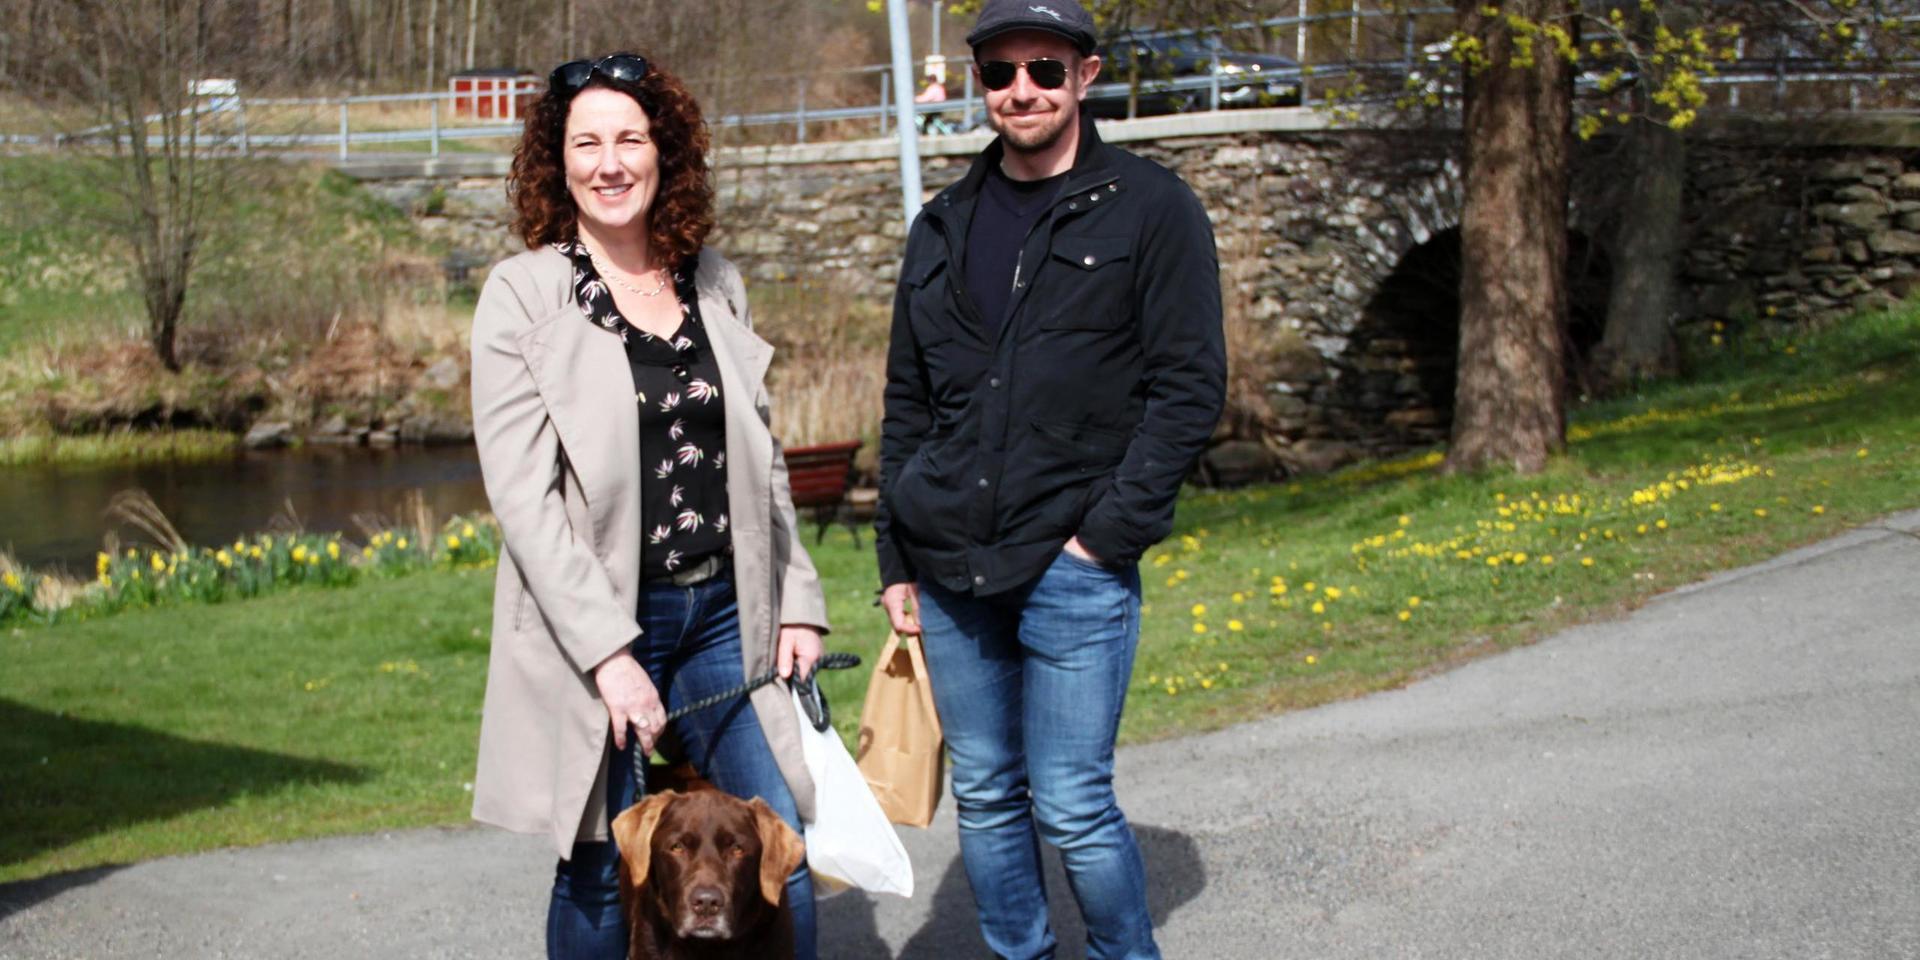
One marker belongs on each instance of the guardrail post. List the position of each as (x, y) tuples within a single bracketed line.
[(1213, 88), (1300, 53), (800, 119), (967, 88), (434, 112), (1408, 43), (246, 142), (343, 128), (885, 88), (1733, 89)]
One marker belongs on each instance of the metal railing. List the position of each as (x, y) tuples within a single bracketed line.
[(1213, 90)]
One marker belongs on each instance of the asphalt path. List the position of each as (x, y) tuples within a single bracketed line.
[(1732, 771)]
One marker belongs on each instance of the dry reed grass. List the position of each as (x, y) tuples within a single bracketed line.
[(829, 371)]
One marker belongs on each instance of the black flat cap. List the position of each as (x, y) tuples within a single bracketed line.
[(1065, 18)]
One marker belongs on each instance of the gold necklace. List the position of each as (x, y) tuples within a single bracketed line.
[(606, 270)]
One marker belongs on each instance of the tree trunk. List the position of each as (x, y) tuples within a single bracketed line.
[(473, 28), (1509, 405), (1641, 307), (432, 81)]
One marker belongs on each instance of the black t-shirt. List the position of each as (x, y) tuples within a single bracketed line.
[(683, 426), (1004, 214)]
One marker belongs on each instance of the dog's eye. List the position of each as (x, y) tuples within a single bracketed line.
[(677, 848), (739, 852)]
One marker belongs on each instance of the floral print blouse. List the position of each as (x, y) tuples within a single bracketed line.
[(683, 425)]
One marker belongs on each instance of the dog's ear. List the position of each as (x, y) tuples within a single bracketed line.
[(781, 850), (633, 834)]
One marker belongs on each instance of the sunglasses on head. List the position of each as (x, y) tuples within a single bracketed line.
[(571, 76), (1046, 74)]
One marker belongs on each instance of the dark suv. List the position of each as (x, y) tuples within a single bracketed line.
[(1175, 75)]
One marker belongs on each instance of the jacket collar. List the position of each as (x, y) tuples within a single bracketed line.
[(1092, 166)]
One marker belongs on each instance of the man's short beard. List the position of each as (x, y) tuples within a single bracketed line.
[(1033, 141)]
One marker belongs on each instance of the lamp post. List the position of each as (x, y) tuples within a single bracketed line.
[(903, 88)]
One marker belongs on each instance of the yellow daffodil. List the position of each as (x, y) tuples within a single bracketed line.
[(1332, 593), (467, 531), (1586, 561), (1406, 615), (333, 550), (1235, 626), (1319, 607), (223, 558), (1413, 601), (1311, 659), (1199, 610), (453, 543), (1199, 628), (299, 553), (1760, 512), (158, 562), (11, 580)]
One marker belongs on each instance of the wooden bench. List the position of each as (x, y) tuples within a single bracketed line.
[(819, 476)]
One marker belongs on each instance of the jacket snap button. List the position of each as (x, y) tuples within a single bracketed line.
[(983, 483), (1073, 206), (979, 581), (1093, 198), (1089, 260)]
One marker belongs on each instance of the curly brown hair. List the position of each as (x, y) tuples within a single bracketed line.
[(682, 213)]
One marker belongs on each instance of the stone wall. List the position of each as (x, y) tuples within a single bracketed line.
[(1796, 235), (1339, 248)]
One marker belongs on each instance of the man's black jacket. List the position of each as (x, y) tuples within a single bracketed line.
[(1086, 409)]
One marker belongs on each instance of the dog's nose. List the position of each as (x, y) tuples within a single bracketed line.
[(707, 901)]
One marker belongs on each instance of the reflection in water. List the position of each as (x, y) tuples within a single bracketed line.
[(55, 516)]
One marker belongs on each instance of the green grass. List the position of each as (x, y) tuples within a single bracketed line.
[(66, 273), (164, 446), (172, 730)]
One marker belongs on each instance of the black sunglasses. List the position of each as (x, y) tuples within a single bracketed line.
[(1045, 74), (571, 76)]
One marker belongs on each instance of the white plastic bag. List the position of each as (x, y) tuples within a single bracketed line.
[(850, 843)]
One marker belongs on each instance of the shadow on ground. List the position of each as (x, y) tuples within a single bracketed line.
[(1175, 875), (64, 779)]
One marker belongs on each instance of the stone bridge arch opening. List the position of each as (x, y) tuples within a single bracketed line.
[(1392, 388)]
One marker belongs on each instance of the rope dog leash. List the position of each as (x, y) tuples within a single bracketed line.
[(810, 698)]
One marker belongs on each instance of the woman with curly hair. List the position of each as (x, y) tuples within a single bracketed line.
[(652, 555)]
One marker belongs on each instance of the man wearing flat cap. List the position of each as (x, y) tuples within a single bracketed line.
[(1057, 365)]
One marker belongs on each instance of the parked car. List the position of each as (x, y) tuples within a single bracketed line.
[(1174, 73)]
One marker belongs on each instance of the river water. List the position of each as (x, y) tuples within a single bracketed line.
[(55, 517)]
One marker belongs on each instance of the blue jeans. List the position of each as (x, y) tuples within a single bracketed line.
[(1030, 684), (691, 649)]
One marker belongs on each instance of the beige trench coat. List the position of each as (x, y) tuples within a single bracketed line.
[(558, 433)]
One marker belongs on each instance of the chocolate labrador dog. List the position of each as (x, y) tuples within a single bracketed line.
[(704, 875)]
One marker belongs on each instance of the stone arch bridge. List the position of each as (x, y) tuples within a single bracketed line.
[(1339, 247)]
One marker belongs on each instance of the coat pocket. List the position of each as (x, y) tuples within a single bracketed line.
[(1092, 283)]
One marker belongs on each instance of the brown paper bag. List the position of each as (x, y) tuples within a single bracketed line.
[(901, 753)]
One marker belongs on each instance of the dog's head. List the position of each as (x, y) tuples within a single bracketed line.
[(705, 862)]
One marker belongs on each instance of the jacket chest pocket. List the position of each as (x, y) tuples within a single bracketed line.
[(1090, 283), (953, 356)]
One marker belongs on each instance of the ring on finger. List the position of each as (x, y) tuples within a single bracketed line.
[(642, 722)]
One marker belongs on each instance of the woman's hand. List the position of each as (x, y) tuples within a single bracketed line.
[(799, 650), (630, 698)]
